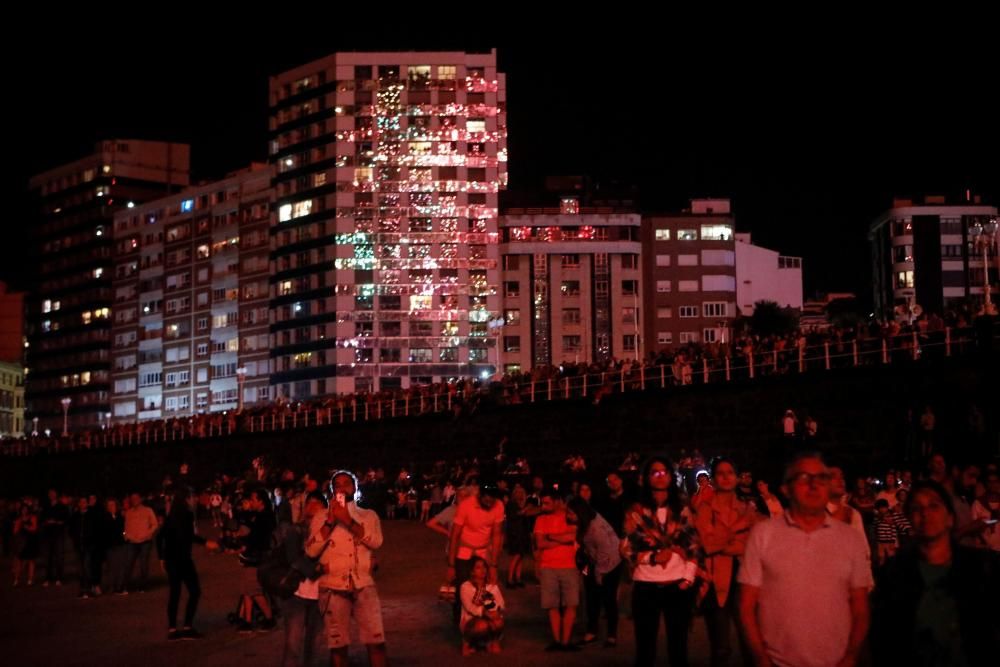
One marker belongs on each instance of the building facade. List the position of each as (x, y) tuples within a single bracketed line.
[(766, 275), (69, 313), (11, 400), (689, 269), (191, 293), (571, 285), (385, 248), (923, 255)]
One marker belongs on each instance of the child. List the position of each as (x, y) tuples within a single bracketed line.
[(482, 611), (885, 531)]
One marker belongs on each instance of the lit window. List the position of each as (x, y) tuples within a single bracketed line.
[(85, 316), (302, 208), (98, 272), (421, 302), (106, 169), (203, 251), (662, 234), (187, 206), (47, 306), (687, 234), (569, 206), (284, 213), (716, 232), (446, 71), (475, 126), (319, 179), (285, 288)]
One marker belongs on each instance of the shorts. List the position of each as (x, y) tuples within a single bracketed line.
[(560, 587), (337, 608)]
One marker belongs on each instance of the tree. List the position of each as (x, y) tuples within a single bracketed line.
[(770, 319)]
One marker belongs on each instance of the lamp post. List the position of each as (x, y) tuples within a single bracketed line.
[(241, 377), (65, 406), (984, 237), (495, 327)]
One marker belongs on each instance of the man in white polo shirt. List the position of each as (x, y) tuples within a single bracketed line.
[(805, 579)]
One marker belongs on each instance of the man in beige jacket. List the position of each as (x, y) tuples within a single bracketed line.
[(140, 529), (343, 539)]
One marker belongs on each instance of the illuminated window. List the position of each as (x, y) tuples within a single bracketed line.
[(662, 234), (421, 302), (47, 306), (475, 125), (85, 316), (687, 235), (319, 179), (446, 71), (187, 206), (716, 232), (203, 251), (302, 208), (98, 272), (284, 213), (285, 287)]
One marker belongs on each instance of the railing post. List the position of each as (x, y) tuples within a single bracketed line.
[(802, 359), (435, 403), (826, 353), (341, 413), (642, 378), (379, 412), (854, 346), (550, 389), (916, 349), (533, 391), (704, 370), (947, 341), (663, 377), (366, 410), (885, 351), (774, 363), (751, 365), (622, 380), (354, 410), (728, 375)]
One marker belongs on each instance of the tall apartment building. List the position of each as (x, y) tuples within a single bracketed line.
[(689, 269), (387, 172), (68, 314), (191, 293), (923, 254), (571, 286)]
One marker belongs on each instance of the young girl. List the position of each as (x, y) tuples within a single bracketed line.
[(482, 611)]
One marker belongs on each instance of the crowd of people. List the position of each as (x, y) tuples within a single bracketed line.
[(745, 356), (807, 569)]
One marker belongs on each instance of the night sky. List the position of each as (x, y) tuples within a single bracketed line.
[(810, 138)]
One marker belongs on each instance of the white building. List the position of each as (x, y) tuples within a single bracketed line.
[(766, 275)]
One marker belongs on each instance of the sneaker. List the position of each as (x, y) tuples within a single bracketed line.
[(191, 634), (571, 648), (553, 647), (84, 595), (173, 635), (245, 628)]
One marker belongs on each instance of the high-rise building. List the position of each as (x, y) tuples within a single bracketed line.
[(571, 285), (387, 172), (689, 268), (69, 325), (191, 298), (924, 254)]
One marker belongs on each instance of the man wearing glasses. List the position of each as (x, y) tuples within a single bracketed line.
[(805, 579)]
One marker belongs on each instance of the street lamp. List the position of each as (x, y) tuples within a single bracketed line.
[(65, 405), (241, 377), (495, 327), (985, 237)]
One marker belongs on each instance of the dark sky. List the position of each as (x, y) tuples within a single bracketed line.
[(811, 138)]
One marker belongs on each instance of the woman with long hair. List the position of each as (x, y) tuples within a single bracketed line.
[(517, 541), (173, 544), (663, 549), (723, 525), (603, 568)]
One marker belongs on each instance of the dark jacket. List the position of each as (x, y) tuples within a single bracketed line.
[(176, 537), (114, 528), (974, 583)]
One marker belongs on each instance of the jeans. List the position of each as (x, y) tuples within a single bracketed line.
[(182, 572), (720, 622), (304, 637), (139, 551), (54, 554), (650, 602), (117, 561), (604, 594)]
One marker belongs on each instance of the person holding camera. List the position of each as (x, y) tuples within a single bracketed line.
[(482, 611), (344, 539)]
